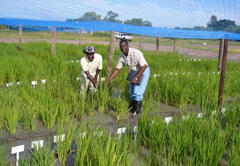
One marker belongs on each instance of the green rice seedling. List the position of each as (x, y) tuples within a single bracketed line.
[(1, 120), (42, 156), (103, 98), (24, 161), (102, 150), (11, 119), (63, 146), (180, 136), (48, 113), (152, 134), (209, 143), (120, 107), (63, 112), (234, 150), (28, 117), (3, 160), (90, 104), (231, 118), (78, 106)]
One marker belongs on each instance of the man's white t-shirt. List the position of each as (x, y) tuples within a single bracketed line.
[(92, 66)]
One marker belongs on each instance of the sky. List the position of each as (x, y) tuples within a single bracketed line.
[(162, 13)]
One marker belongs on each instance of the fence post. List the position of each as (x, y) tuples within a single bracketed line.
[(111, 52), (80, 37), (220, 53), (20, 38), (157, 45), (223, 72), (53, 40), (140, 42), (174, 45)]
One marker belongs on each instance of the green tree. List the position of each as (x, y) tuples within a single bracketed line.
[(146, 23), (88, 16), (138, 22), (225, 25), (237, 29), (212, 21), (112, 17)]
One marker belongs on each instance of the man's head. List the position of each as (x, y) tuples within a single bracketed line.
[(124, 47), (89, 51)]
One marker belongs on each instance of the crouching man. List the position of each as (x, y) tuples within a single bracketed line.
[(91, 64)]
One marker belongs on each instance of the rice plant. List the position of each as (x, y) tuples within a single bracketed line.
[(11, 119), (102, 150), (28, 117), (3, 161), (1, 120), (234, 150), (120, 107), (102, 98), (64, 146), (90, 104), (42, 156), (78, 106)]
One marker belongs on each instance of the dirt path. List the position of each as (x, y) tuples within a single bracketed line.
[(193, 53)]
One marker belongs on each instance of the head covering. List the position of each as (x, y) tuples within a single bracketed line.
[(89, 50)]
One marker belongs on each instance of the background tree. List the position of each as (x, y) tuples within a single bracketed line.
[(138, 22), (112, 17), (212, 21), (88, 16)]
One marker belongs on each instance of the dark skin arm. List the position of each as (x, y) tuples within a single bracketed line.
[(140, 72), (114, 74), (93, 79), (96, 76)]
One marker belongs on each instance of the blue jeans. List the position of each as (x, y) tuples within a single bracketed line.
[(137, 91)]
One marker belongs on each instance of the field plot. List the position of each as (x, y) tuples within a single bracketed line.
[(40, 95)]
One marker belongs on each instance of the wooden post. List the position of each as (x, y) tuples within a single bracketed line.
[(80, 37), (20, 38), (220, 53), (174, 45), (223, 72), (111, 52), (140, 42), (53, 40), (157, 45)]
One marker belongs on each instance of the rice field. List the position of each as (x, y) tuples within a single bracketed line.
[(37, 88)]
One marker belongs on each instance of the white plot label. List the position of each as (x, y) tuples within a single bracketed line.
[(9, 84), (168, 119), (16, 150), (37, 144), (34, 83), (58, 137), (200, 115), (43, 82)]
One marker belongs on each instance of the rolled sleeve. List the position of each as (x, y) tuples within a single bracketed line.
[(119, 63), (84, 65), (142, 60)]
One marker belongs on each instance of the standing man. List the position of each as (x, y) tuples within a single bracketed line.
[(91, 64), (137, 64)]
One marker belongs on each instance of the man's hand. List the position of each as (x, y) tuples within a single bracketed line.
[(134, 80), (95, 81), (94, 84)]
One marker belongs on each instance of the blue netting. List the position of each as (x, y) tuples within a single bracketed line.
[(108, 26)]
